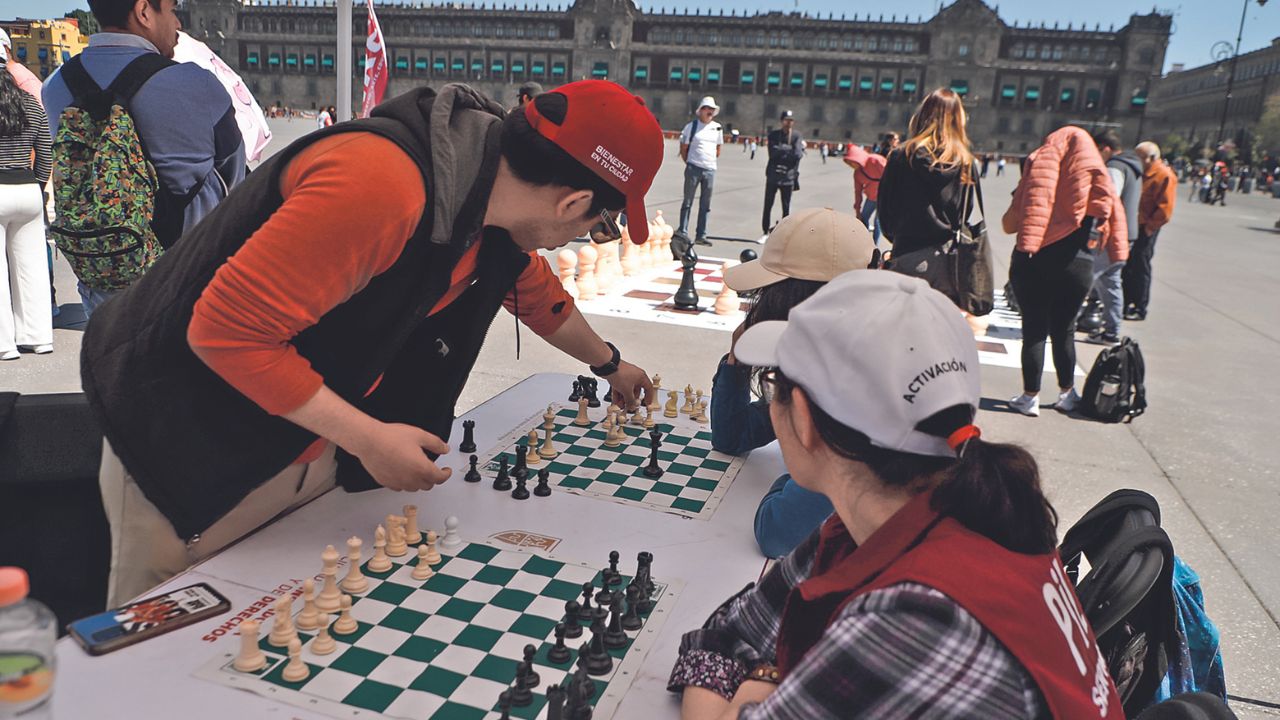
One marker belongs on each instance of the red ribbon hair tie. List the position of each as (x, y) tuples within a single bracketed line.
[(963, 435)]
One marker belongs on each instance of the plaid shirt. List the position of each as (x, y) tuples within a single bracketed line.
[(903, 651)]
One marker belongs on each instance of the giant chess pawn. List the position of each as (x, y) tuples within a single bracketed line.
[(587, 287), (630, 258), (604, 269), (727, 302), (686, 298), (567, 260)]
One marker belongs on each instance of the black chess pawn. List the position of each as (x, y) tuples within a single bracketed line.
[(577, 392), (614, 578), (522, 488), (543, 488), (589, 388), (473, 473), (504, 704), (599, 661), (631, 620), (521, 693), (559, 653), (533, 679), (614, 637), (584, 611), (572, 624), (468, 444), (503, 480), (602, 602)]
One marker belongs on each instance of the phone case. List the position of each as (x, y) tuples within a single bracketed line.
[(114, 629)]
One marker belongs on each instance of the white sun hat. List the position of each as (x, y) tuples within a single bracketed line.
[(878, 351)]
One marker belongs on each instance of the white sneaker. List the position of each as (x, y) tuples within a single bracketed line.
[(38, 349), (1028, 405), (1067, 401), (10, 355)]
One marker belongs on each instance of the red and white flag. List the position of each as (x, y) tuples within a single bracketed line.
[(375, 65)]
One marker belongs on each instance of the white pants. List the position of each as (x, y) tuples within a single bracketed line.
[(26, 310)]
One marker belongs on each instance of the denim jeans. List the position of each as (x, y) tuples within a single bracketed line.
[(868, 208), (90, 299), (1107, 283), (694, 177)]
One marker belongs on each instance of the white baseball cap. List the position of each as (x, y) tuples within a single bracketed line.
[(811, 244), (878, 351), (710, 102)]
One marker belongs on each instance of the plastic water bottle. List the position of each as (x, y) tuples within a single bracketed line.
[(28, 631)]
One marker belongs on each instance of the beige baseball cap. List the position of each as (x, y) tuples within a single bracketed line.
[(810, 244)]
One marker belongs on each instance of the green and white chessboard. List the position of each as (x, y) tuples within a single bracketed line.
[(444, 648), (694, 480)]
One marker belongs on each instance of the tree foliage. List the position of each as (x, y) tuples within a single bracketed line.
[(88, 23)]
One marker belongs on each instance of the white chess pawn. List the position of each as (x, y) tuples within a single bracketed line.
[(423, 571), (615, 259), (412, 535), (324, 643), (630, 259), (346, 624), (567, 260), (604, 270), (309, 616), (282, 626), (251, 657), (433, 557), (587, 287), (727, 302), (648, 418), (532, 457), (379, 562), (296, 670), (582, 419), (451, 537), (355, 582)]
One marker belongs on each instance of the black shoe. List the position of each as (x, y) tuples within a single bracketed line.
[(1134, 316), (702, 241), (1102, 337)]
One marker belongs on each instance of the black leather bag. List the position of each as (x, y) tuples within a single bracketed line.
[(959, 268)]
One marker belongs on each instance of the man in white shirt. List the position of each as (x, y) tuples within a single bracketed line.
[(700, 144)]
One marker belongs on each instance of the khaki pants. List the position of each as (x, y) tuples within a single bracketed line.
[(145, 549)]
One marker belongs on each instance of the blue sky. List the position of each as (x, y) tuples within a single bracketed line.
[(1198, 24)]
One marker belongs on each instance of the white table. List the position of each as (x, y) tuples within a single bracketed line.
[(713, 558)]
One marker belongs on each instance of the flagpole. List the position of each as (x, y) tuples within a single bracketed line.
[(344, 60)]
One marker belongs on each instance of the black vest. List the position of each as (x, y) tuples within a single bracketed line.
[(196, 446), (1131, 167)]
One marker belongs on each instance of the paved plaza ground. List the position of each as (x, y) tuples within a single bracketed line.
[(1206, 449)]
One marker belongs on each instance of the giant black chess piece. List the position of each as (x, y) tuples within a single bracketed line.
[(686, 297), (468, 444)]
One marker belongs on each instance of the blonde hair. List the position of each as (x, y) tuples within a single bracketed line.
[(1148, 149), (937, 127)]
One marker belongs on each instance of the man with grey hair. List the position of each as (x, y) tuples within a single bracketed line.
[(1155, 209), (700, 144)]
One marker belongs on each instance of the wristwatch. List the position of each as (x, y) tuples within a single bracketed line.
[(610, 367), (765, 673)]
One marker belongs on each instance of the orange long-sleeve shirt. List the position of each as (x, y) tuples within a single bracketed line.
[(351, 202), (1159, 193)]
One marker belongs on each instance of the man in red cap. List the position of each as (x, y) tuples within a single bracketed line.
[(320, 324)]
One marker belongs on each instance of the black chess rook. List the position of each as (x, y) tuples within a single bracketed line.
[(468, 444)]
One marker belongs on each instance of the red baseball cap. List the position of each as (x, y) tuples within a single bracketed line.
[(610, 131)]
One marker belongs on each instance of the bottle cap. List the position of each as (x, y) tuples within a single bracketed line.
[(13, 585)]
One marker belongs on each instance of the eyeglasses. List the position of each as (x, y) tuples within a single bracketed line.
[(769, 384), (606, 230)]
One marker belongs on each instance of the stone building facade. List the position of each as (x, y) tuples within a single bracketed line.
[(844, 78), (1190, 102)]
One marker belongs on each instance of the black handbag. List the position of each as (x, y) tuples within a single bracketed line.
[(959, 268)]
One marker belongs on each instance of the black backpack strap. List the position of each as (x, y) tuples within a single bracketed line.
[(1093, 529), (85, 93), (136, 74), (1139, 374)]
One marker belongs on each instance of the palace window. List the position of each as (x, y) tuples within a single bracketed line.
[(1032, 94), (600, 70), (748, 77), (713, 75), (845, 82), (909, 86), (886, 85), (797, 79), (642, 72), (960, 87), (557, 69), (775, 78), (820, 80), (677, 73)]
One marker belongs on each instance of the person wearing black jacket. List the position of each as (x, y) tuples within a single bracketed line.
[(786, 147)]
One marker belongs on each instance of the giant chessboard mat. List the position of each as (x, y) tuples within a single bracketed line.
[(650, 295), (1001, 346), (445, 648), (694, 480)]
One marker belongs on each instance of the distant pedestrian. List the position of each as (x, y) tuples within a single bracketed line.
[(868, 169), (700, 145), (527, 92), (183, 116), (754, 145), (986, 163), (782, 174), (1064, 210), (324, 119), (1000, 162), (822, 152), (1159, 191), (1125, 169), (26, 316)]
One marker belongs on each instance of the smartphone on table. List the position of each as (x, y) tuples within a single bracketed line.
[(114, 629)]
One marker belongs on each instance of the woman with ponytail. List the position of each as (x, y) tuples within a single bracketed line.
[(934, 589)]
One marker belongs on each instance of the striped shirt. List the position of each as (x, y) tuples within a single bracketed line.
[(906, 651), (15, 150)]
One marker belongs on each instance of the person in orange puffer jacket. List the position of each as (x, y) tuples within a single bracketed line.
[(1064, 211)]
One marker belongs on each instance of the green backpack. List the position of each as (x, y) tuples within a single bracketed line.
[(106, 194)]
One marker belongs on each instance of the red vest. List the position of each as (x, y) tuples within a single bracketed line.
[(1025, 601)]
